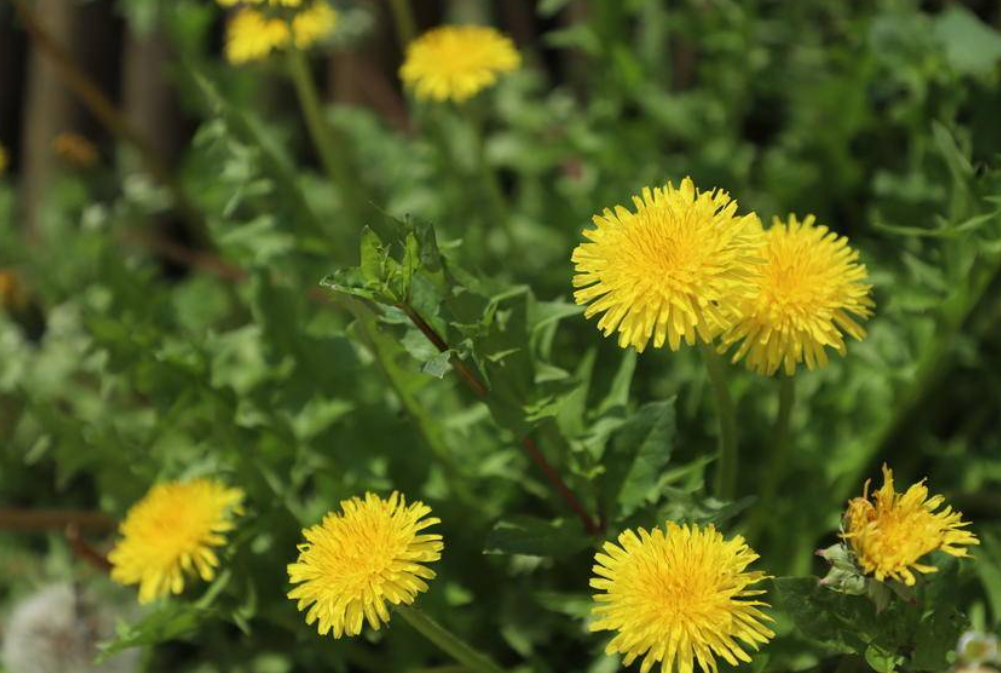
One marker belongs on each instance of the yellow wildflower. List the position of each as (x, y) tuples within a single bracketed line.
[(356, 560), (3, 160), (893, 531), (172, 532), (676, 269), (679, 597), (314, 24), (457, 62), (253, 35), (810, 287)]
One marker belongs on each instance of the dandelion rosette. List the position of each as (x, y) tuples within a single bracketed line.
[(809, 293), (255, 33), (892, 532), (675, 270), (679, 597), (172, 532), (457, 62), (361, 558)]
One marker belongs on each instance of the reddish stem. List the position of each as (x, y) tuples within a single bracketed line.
[(84, 551), (53, 519), (527, 443)]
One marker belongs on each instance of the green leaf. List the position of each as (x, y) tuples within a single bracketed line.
[(640, 450), (959, 165), (570, 417), (551, 7), (881, 659), (439, 365), (810, 608), (971, 46), (935, 640), (531, 536), (989, 570), (618, 394), (349, 281), (168, 622), (373, 258)]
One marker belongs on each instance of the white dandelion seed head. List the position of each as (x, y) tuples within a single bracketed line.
[(57, 630)]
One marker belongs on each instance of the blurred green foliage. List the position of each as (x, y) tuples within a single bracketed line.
[(131, 365)]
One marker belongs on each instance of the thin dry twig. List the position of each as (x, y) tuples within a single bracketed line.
[(54, 519)]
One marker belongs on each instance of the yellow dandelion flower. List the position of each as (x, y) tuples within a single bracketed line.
[(674, 270), (679, 597), (893, 531), (3, 160), (171, 533), (358, 559), (314, 24), (75, 150), (252, 36), (810, 287), (457, 62)]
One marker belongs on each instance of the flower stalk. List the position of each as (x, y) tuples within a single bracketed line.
[(591, 525), (776, 461), (403, 20), (726, 471), (448, 642), (491, 181), (329, 146)]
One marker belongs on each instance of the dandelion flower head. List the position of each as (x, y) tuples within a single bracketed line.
[(359, 559), (891, 532), (457, 62), (679, 597), (675, 270), (173, 532), (253, 34), (3, 160), (810, 292)]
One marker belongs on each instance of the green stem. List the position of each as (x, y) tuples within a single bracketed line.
[(430, 430), (491, 182), (726, 471), (776, 462), (406, 26), (328, 143), (448, 642)]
